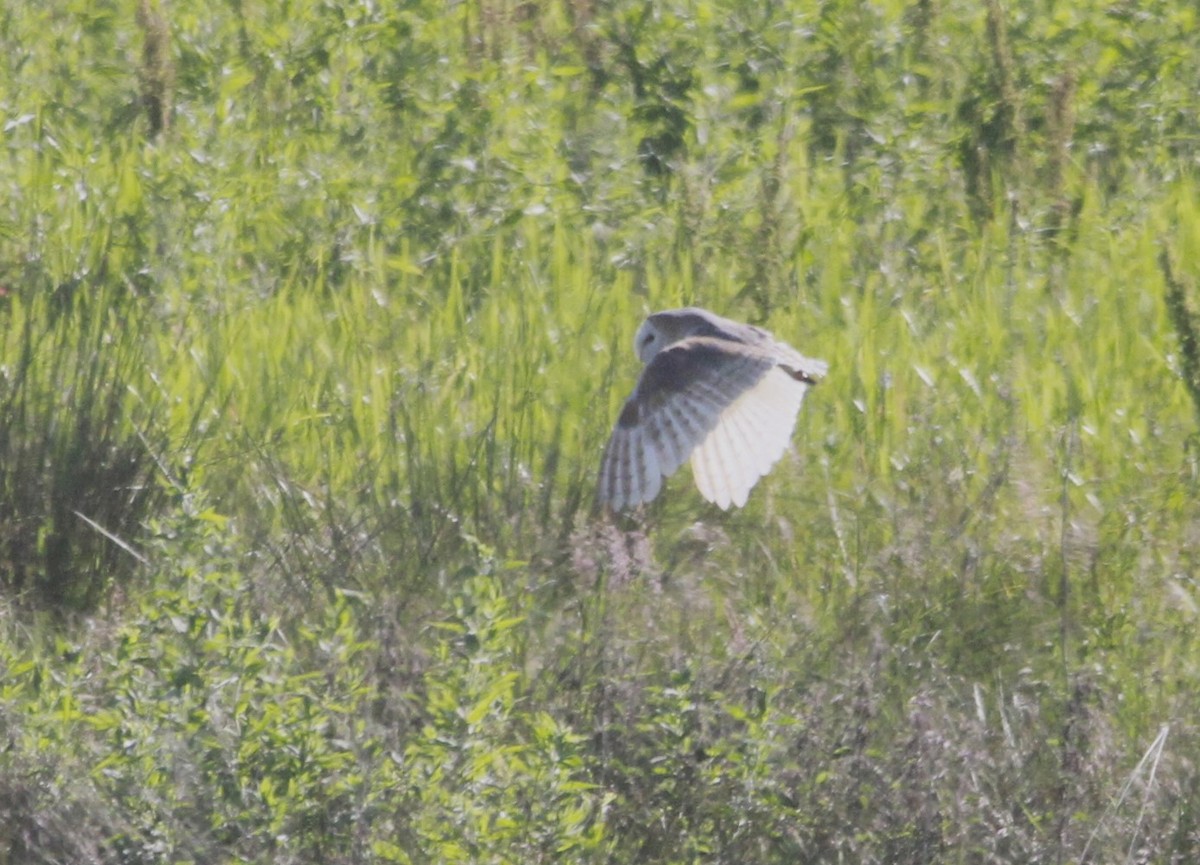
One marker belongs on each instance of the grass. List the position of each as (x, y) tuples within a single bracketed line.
[(316, 319)]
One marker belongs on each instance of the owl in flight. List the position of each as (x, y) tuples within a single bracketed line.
[(722, 393)]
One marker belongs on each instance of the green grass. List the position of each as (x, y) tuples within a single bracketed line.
[(315, 319)]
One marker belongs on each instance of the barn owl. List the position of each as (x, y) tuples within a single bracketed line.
[(722, 393)]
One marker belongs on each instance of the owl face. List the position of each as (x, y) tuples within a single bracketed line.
[(648, 342)]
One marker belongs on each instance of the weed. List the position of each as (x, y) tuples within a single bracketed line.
[(304, 380)]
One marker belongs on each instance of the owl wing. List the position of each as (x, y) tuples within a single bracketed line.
[(730, 407)]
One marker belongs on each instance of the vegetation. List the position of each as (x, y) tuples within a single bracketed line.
[(316, 315)]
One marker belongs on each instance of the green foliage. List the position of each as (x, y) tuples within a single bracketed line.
[(77, 444), (490, 780), (199, 724), (205, 727), (314, 318)]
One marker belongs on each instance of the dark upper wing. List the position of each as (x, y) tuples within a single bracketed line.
[(679, 401)]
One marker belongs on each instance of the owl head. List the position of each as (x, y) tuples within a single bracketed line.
[(670, 326)]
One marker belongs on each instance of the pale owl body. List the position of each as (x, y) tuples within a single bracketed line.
[(721, 393)]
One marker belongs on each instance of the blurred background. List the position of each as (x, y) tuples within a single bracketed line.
[(314, 320)]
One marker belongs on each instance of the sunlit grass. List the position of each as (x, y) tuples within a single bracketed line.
[(360, 319)]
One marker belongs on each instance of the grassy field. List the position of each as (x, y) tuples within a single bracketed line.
[(314, 320)]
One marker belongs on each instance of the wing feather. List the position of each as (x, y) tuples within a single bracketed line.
[(753, 435), (734, 459), (710, 454), (673, 438)]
